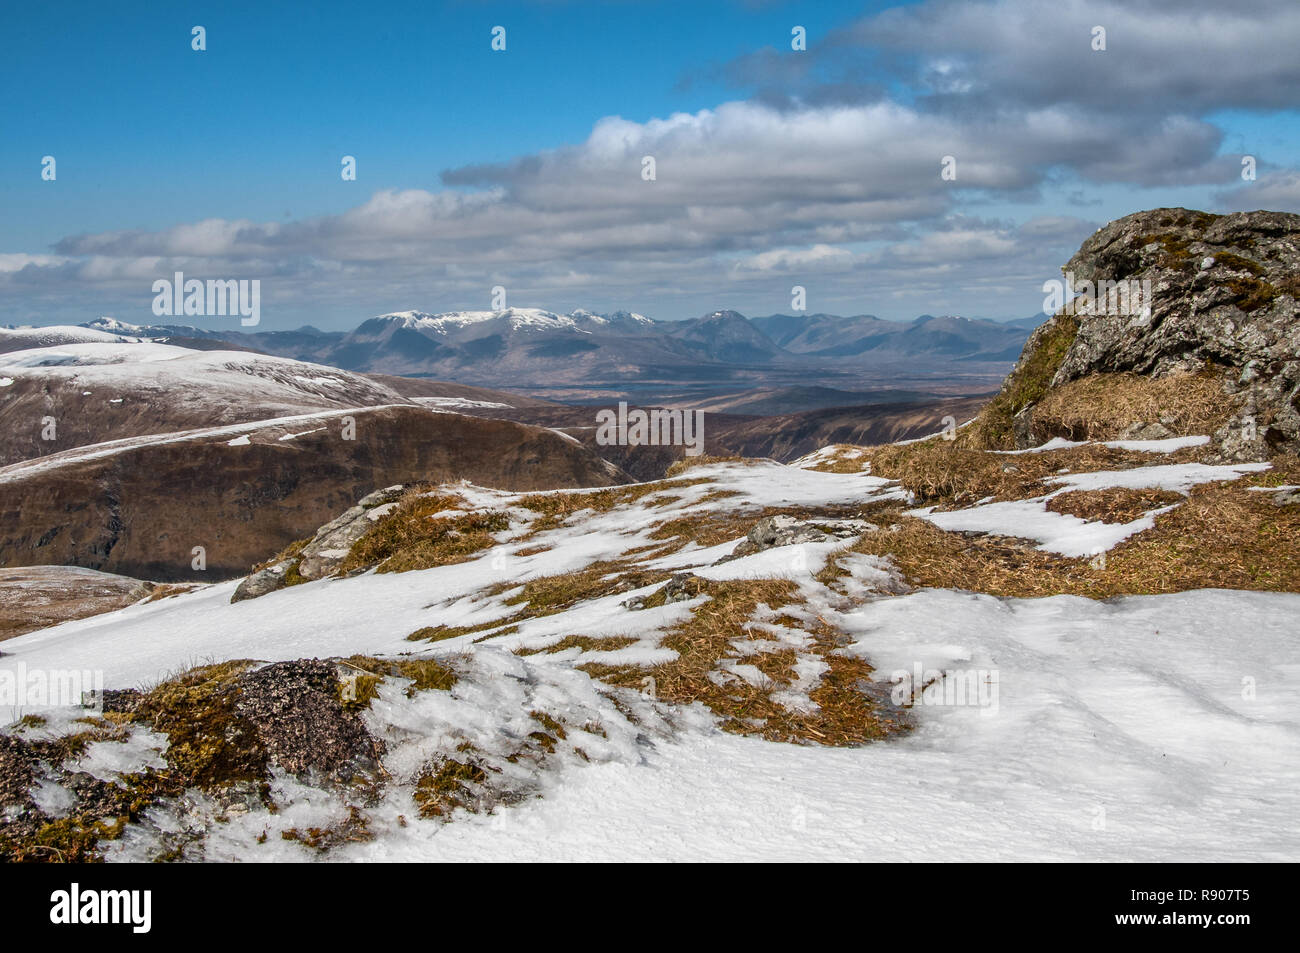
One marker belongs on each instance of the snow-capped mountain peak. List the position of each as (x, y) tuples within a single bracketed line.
[(515, 318), (112, 325)]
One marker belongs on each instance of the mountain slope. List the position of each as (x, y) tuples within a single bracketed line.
[(139, 506), (98, 392)]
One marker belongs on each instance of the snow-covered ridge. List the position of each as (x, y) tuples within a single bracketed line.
[(517, 319), (14, 339)]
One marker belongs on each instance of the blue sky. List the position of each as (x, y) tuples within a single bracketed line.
[(520, 168), (148, 131)]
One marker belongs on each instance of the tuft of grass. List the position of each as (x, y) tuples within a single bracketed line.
[(425, 674), (440, 633), (842, 458), (1112, 505), (586, 643), (290, 552), (413, 536), (703, 460), (844, 714)]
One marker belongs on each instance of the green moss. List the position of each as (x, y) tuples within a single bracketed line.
[(446, 786), (70, 840), (354, 829), (1177, 249), (994, 429), (75, 838), (292, 577), (1250, 294), (209, 745), (1237, 263), (424, 675)]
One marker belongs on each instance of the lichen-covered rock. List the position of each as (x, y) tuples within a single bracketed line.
[(16, 770), (302, 723), (1286, 497), (326, 550), (1224, 294), (783, 530), (683, 587), (261, 582), (333, 541)]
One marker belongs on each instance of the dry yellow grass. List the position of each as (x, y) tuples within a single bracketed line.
[(1102, 406), (586, 643), (1113, 505), (1027, 383), (414, 536), (1220, 536), (841, 458), (686, 463), (554, 508), (845, 715), (944, 471)]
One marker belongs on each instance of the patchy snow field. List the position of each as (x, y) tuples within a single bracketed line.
[(1140, 728)]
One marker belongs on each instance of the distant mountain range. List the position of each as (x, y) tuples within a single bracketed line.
[(530, 347)]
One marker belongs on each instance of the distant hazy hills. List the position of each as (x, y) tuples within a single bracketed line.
[(532, 347)]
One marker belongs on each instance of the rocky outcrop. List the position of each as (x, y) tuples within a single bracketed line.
[(324, 553), (1224, 294), (783, 530)]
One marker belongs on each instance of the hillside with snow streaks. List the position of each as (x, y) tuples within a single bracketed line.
[(1116, 729)]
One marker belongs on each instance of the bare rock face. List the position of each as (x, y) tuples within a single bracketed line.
[(1224, 293), (261, 582)]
